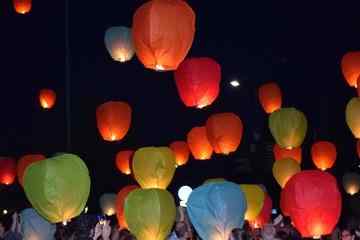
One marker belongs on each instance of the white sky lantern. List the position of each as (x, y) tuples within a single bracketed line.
[(184, 193), (351, 183), (107, 203), (118, 42)]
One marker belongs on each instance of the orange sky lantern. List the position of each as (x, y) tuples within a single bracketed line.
[(323, 154), (24, 162), (199, 143), (181, 151), (47, 98), (270, 97), (7, 170), (123, 161), (281, 153), (22, 6)]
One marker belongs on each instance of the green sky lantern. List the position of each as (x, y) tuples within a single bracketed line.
[(58, 187)]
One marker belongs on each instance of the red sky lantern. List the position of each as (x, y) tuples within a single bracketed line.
[(7, 170), (270, 97), (181, 151), (113, 120), (24, 162), (47, 98), (198, 81), (281, 153), (350, 66), (323, 154), (313, 201), (264, 216), (22, 6), (120, 200), (199, 144), (123, 161)]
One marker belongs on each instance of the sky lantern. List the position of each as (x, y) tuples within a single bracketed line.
[(350, 66), (123, 161), (181, 151), (284, 169), (206, 211), (34, 227), (353, 116), (199, 144), (154, 167), (264, 216), (351, 183), (163, 32), (150, 213), (270, 97), (120, 201), (224, 131), (288, 126), (24, 162), (47, 98), (313, 202), (7, 170), (22, 6), (58, 187), (198, 81), (255, 197), (281, 153), (118, 42), (107, 203), (323, 154), (113, 120)]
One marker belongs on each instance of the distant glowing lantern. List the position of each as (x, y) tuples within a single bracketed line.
[(150, 213), (62, 187), (163, 32), (281, 153), (323, 154), (199, 144), (47, 98), (154, 167), (351, 183), (350, 66), (224, 131), (118, 42), (264, 216), (24, 162), (120, 201), (216, 209), (181, 151), (313, 202), (107, 204), (7, 170), (183, 194), (255, 197), (270, 97), (288, 126), (123, 161), (284, 169), (113, 120), (22, 6), (353, 116), (198, 81)]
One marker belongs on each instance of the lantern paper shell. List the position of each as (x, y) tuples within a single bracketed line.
[(150, 213), (181, 151), (264, 216), (313, 201), (163, 32), (47, 98), (113, 120), (255, 197), (351, 183), (34, 227), (216, 209), (288, 126), (281, 153), (58, 187), (270, 97), (224, 131), (24, 162), (353, 116), (198, 81), (120, 201), (7, 170), (154, 167), (22, 6), (284, 169), (107, 203), (199, 144), (323, 154), (118, 42), (350, 66), (123, 161)]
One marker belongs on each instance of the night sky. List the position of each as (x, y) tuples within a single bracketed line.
[(298, 46)]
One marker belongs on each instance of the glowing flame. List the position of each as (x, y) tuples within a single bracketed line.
[(159, 67), (113, 137), (110, 212)]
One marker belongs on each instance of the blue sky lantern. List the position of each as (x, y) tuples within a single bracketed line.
[(216, 209), (118, 42)]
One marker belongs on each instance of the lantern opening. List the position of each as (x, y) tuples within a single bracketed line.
[(159, 67), (110, 212), (64, 223), (289, 148), (113, 137)]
